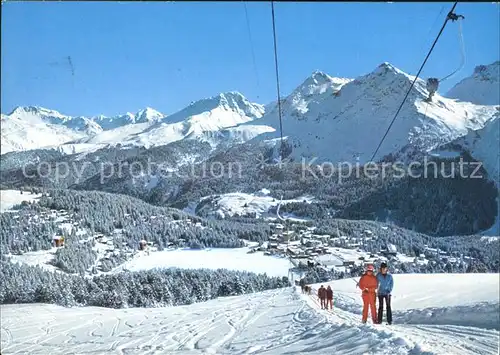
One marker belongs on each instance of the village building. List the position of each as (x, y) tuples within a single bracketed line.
[(58, 241), (143, 245)]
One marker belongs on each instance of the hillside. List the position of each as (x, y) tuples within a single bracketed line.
[(30, 128), (466, 206), (166, 160), (205, 119), (321, 113), (428, 319), (345, 125), (482, 88)]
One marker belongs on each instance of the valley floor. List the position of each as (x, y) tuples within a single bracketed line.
[(459, 319)]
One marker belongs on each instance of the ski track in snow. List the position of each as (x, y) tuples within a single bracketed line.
[(272, 322)]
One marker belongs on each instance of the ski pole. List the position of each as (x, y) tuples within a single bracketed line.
[(357, 282)]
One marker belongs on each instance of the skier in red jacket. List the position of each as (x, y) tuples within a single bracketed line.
[(368, 284)]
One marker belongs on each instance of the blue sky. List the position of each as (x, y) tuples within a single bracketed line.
[(127, 56)]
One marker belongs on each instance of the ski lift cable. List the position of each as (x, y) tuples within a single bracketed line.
[(277, 78), (462, 48), (433, 25), (414, 80), (254, 62), (350, 105)]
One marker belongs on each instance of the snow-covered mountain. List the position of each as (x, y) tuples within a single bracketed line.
[(347, 123), (147, 115), (314, 89), (483, 145), (332, 119), (482, 88), (209, 119), (28, 128), (33, 127)]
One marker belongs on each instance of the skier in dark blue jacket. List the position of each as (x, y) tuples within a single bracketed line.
[(385, 285)]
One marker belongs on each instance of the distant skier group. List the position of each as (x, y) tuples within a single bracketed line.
[(325, 296), (372, 287)]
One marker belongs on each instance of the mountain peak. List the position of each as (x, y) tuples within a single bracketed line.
[(37, 110), (231, 101), (489, 71), (319, 77), (228, 96), (232, 93), (317, 83), (388, 68), (387, 75), (481, 88), (235, 101), (148, 114)]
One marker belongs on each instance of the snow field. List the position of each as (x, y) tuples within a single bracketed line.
[(230, 204), (272, 322), (231, 259), (459, 299), (11, 198)]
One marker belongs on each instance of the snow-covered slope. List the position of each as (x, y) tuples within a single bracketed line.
[(11, 198), (232, 259), (207, 119), (242, 204), (333, 119), (433, 314), (482, 88), (314, 89), (214, 120), (147, 115), (224, 110), (484, 145), (349, 124), (33, 127)]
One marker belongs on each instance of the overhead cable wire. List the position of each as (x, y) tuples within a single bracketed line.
[(414, 80), (251, 45), (350, 105), (277, 78), (462, 50)]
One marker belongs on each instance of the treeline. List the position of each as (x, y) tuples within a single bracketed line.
[(318, 274), (18, 160), (75, 257), (486, 253), (152, 288), (32, 228), (24, 231), (23, 169), (436, 205)]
